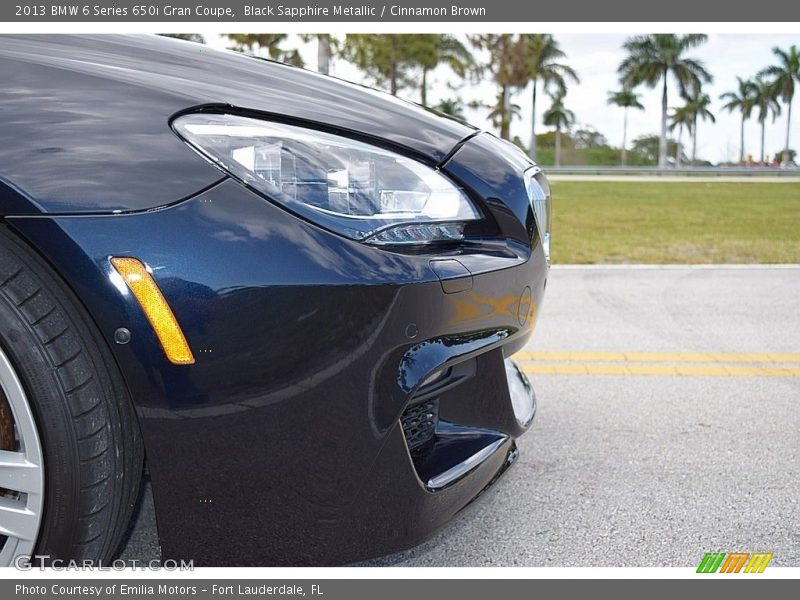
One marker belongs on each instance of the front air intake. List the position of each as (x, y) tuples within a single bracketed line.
[(419, 423)]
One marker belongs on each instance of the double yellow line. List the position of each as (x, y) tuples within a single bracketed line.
[(686, 364)]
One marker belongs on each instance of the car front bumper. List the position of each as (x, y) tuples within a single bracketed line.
[(346, 401)]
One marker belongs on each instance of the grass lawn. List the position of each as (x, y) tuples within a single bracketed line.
[(675, 222)]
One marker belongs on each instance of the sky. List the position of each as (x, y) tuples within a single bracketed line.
[(596, 57)]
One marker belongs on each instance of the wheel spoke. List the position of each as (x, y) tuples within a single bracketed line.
[(20, 471), (17, 521), (18, 474)]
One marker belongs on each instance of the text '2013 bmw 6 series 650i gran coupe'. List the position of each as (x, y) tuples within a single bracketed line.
[(295, 299)]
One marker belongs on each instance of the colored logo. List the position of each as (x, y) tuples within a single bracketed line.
[(734, 562)]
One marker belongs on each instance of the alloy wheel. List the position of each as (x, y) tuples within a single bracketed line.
[(21, 469)]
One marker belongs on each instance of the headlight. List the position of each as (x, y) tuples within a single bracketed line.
[(358, 190), (539, 197)]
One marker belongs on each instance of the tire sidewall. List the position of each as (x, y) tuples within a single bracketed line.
[(59, 445)]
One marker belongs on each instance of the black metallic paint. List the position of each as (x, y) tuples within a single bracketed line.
[(281, 445), (282, 442), (84, 118), (491, 168)]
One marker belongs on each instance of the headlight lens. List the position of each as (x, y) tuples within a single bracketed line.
[(539, 197), (358, 190)]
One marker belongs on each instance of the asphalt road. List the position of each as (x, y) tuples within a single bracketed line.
[(668, 426)]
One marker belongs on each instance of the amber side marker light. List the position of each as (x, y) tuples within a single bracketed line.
[(155, 307)]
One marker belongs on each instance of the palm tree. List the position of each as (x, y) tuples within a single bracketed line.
[(742, 100), (625, 98), (697, 104), (502, 113), (327, 46), (541, 56), (652, 59), (560, 117), (508, 71), (766, 101), (432, 50), (384, 58), (452, 107), (784, 77), (269, 42), (681, 118)]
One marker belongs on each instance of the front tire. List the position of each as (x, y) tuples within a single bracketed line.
[(66, 421)]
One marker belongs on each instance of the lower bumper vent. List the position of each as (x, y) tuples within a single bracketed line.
[(419, 423)]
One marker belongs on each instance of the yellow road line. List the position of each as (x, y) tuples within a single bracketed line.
[(661, 370), (710, 357)]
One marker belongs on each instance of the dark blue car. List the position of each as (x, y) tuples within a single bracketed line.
[(291, 299)]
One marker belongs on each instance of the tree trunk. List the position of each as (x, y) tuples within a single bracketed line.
[(423, 96), (505, 117), (532, 147), (558, 146), (694, 144), (624, 136), (324, 53), (678, 147), (662, 141), (763, 127), (741, 142), (393, 79), (393, 67), (785, 160)]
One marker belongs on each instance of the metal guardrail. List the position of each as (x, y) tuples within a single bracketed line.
[(683, 171)]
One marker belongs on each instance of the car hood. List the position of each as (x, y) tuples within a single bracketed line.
[(85, 117)]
